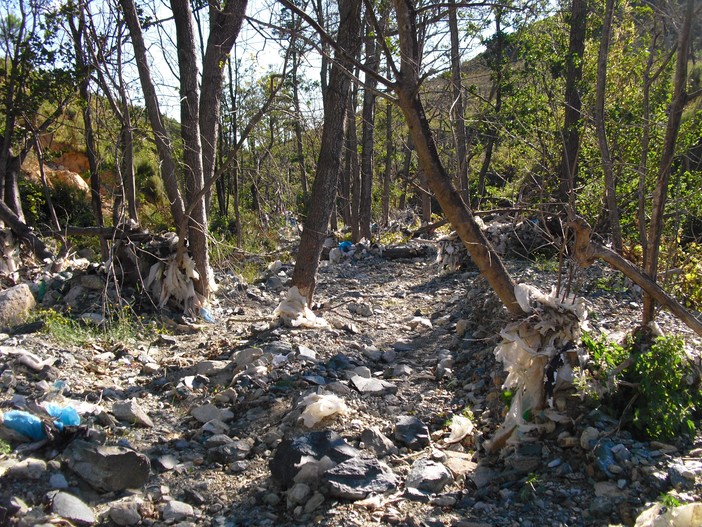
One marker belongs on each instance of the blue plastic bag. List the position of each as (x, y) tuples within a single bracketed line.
[(25, 423), (29, 425)]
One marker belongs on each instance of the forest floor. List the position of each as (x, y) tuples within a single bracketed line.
[(221, 399)]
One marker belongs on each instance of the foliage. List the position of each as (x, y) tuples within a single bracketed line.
[(5, 448), (120, 326), (71, 205), (668, 397), (652, 377)]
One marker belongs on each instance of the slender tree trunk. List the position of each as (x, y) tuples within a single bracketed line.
[(408, 147), (460, 216), (324, 186), (389, 152), (353, 175), (499, 74), (197, 225), (607, 165), (78, 30), (161, 136), (457, 109), (660, 194), (572, 121), (225, 20), (368, 136)]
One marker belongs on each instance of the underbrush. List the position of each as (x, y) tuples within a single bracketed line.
[(650, 384), (119, 326)]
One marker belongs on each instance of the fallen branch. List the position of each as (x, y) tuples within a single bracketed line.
[(587, 251)]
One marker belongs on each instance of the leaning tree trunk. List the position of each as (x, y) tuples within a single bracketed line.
[(660, 193), (324, 186), (460, 216)]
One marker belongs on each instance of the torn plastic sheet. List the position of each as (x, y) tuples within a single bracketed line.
[(293, 311), (689, 515), (527, 349), (168, 280), (319, 406)]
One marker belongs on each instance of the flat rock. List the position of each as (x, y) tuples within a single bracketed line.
[(308, 456), (177, 510), (372, 386), (208, 412), (355, 478), (131, 412), (108, 468), (30, 468), (72, 508), (378, 442), (411, 432)]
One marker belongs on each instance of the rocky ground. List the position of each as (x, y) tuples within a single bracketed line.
[(217, 424)]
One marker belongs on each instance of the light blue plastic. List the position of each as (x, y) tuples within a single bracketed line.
[(66, 415), (25, 423), (30, 425)]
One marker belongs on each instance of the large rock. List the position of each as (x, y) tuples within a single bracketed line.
[(307, 457), (108, 468), (15, 305), (356, 478)]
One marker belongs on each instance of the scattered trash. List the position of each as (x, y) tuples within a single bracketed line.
[(293, 311), (461, 427), (320, 406), (689, 515), (33, 427)]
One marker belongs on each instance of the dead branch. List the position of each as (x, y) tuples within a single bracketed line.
[(587, 251)]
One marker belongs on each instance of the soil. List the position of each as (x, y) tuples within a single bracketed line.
[(429, 331)]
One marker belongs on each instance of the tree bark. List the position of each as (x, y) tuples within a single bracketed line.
[(660, 193), (161, 135), (460, 216), (225, 19), (368, 135), (78, 31), (607, 165), (457, 109), (572, 121), (389, 152), (324, 186), (586, 251)]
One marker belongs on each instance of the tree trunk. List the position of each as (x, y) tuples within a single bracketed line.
[(389, 152), (82, 65), (497, 89), (460, 216), (607, 165), (324, 186), (353, 175), (298, 122), (368, 135), (192, 147), (660, 193), (571, 125), (161, 136), (225, 20), (457, 110)]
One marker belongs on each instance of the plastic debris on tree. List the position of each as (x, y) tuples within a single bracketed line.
[(293, 311), (168, 280), (529, 346)]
